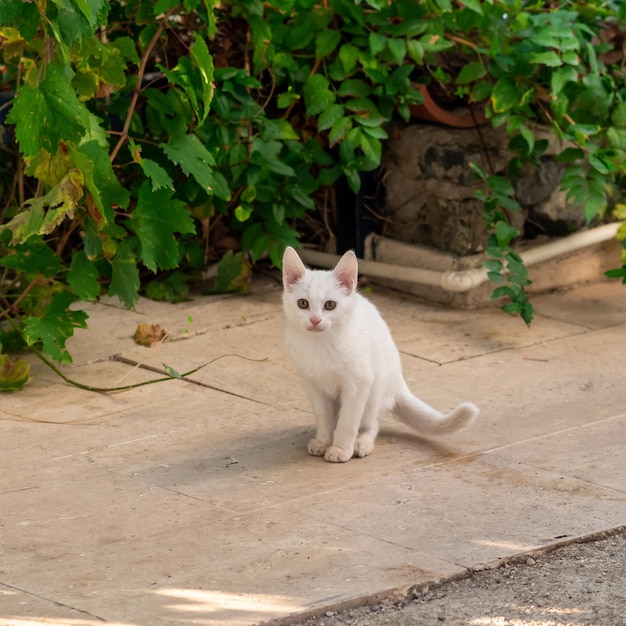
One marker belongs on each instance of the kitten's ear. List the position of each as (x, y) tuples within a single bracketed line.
[(347, 271), (293, 268)]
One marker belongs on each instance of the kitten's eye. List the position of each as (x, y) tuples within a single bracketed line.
[(330, 305), (303, 304)]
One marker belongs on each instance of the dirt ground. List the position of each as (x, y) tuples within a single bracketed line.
[(581, 584)]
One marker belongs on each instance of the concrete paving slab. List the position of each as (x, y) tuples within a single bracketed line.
[(24, 609), (238, 571), (474, 510), (250, 362), (195, 501), (532, 391), (593, 452), (54, 420), (594, 306), (444, 335), (111, 327), (257, 468), (55, 513)]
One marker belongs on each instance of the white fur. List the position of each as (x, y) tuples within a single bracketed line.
[(349, 362)]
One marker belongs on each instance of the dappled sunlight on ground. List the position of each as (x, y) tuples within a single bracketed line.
[(251, 605)]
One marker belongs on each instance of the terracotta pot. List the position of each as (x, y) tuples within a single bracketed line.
[(430, 111)]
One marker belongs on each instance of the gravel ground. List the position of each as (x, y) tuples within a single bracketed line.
[(581, 584)]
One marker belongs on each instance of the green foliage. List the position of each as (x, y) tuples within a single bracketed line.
[(152, 135), (534, 68), (620, 272), (14, 373)]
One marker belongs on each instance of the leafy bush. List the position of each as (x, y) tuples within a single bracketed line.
[(154, 137)]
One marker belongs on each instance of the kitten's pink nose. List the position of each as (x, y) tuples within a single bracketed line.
[(315, 319)]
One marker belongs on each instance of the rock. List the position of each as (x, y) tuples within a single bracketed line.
[(430, 186)]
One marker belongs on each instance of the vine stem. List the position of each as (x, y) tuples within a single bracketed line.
[(140, 73), (152, 381)]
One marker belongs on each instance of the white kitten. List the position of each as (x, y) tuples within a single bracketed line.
[(343, 350)]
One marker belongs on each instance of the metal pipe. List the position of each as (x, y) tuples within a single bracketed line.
[(465, 280)]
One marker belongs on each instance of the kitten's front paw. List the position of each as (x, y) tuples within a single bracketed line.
[(317, 447), (364, 445), (335, 454)]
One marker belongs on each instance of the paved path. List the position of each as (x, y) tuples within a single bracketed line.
[(194, 501)]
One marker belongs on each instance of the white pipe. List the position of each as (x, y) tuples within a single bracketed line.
[(465, 280)]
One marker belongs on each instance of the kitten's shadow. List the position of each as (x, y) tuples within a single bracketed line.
[(406, 440)]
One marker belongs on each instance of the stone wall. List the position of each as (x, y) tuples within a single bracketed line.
[(430, 188)]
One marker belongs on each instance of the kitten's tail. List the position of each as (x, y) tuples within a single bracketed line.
[(426, 420)]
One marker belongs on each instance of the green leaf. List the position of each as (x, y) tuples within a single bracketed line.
[(517, 269), (354, 179), (528, 136), (495, 277), (549, 58), (377, 42), (329, 176), (199, 53), (156, 220), (505, 95), (32, 257), (493, 265), (619, 272), (339, 130), (478, 170), (301, 197), (354, 87), (125, 274), (286, 130), (233, 274), (14, 373), (470, 72), (159, 178), (618, 117), (598, 164), (416, 51), (278, 213), (170, 371), (61, 202), (267, 154), (397, 47), (243, 213), (55, 327), (481, 91), (194, 159), (594, 205), (286, 98), (473, 5), (501, 185), (173, 289), (503, 291), (364, 107), (374, 131), (617, 137), (570, 154), (571, 58), (330, 116), (372, 148), (83, 277), (349, 56), (505, 233), (326, 42), (248, 194), (49, 114), (317, 95), (93, 161)]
